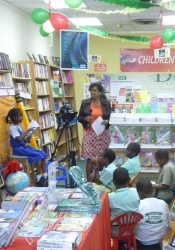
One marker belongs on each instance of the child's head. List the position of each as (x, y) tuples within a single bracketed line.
[(144, 188), (14, 116), (105, 157), (133, 149), (121, 177), (162, 157)]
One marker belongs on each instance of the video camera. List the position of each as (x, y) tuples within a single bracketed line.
[(67, 112)]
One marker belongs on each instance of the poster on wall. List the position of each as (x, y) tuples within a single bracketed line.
[(74, 49), (143, 60)]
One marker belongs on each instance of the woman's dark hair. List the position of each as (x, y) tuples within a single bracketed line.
[(121, 176), (12, 114), (162, 154), (97, 85), (109, 155)]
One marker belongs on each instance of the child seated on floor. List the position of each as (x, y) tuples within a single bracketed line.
[(123, 199), (165, 188), (105, 164), (133, 163)]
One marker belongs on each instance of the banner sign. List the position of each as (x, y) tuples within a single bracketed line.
[(143, 60)]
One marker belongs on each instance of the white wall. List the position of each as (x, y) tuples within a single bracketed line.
[(19, 35)]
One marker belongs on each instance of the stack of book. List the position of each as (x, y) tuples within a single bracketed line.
[(42, 87), (4, 62), (43, 104), (56, 88), (59, 240), (41, 71), (20, 70), (48, 136), (46, 120)]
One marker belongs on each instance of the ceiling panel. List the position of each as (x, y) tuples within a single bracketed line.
[(109, 22)]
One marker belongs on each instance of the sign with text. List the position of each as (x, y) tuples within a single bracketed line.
[(100, 67), (121, 78), (143, 60)]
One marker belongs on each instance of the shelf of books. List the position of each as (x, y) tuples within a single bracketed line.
[(151, 131)]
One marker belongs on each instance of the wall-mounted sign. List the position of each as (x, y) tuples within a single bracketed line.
[(100, 67), (143, 60)]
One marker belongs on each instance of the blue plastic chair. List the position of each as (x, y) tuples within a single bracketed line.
[(59, 177)]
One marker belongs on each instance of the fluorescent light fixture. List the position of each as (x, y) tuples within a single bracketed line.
[(60, 4), (86, 21), (168, 20)]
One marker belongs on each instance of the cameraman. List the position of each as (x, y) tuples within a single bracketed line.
[(90, 110)]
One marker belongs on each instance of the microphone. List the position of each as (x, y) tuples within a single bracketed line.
[(88, 123)]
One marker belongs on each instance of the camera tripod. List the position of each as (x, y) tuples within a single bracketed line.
[(70, 149)]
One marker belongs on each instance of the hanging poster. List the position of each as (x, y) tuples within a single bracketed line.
[(143, 60), (74, 48)]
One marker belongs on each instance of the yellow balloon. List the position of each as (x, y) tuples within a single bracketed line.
[(47, 27)]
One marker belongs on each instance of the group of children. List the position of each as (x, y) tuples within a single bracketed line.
[(150, 199)]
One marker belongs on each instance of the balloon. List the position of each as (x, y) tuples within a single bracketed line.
[(40, 15), (168, 35), (143, 108), (47, 27), (157, 42), (73, 3), (42, 32), (59, 21)]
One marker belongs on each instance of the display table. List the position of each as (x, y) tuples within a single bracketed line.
[(97, 237)]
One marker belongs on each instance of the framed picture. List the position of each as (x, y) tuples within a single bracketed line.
[(46, 60), (30, 57), (74, 49), (40, 58)]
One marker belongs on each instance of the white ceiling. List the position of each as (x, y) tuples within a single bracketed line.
[(114, 23)]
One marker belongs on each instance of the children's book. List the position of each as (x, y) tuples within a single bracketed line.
[(86, 221), (70, 227), (124, 107), (148, 135), (133, 134), (78, 196), (77, 215), (118, 134), (163, 135), (145, 160)]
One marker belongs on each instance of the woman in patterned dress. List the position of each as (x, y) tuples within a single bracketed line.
[(90, 110)]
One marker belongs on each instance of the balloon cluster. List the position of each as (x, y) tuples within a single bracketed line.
[(53, 21), (158, 41)]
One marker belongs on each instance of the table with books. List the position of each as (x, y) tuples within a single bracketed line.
[(63, 219)]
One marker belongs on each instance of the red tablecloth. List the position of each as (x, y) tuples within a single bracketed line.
[(97, 237)]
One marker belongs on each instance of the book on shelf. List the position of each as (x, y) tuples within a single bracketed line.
[(46, 120), (30, 57), (34, 58), (42, 87), (148, 135), (41, 71), (163, 135), (77, 215), (6, 80), (124, 107), (118, 134), (40, 58), (66, 91), (145, 160), (67, 76), (133, 134), (56, 87), (70, 227), (43, 104), (48, 136), (56, 75), (4, 62), (48, 149), (21, 70), (56, 61), (46, 60)]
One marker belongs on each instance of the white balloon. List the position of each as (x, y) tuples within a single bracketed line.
[(47, 27)]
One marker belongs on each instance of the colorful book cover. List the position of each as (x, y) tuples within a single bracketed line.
[(124, 107), (133, 134), (145, 160), (118, 134), (86, 221), (70, 227), (163, 135), (148, 135), (77, 215), (78, 196)]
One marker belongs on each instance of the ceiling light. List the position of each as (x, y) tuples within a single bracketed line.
[(60, 4), (88, 21), (168, 20)]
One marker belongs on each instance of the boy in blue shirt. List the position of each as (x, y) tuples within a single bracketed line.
[(133, 163), (105, 164), (123, 199)]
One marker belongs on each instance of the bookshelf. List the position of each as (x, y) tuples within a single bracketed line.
[(62, 85)]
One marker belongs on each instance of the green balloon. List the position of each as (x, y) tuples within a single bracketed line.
[(40, 15), (168, 35), (143, 108), (42, 32), (73, 3)]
